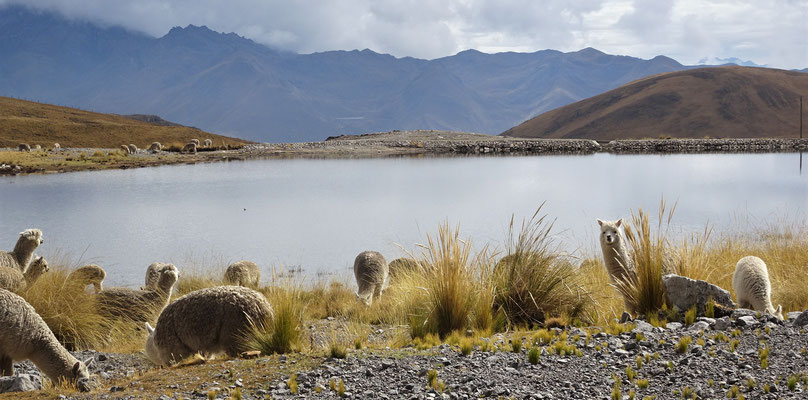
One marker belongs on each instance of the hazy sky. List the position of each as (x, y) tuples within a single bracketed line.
[(773, 32)]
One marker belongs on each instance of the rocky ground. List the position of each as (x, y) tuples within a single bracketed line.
[(389, 144), (726, 357)]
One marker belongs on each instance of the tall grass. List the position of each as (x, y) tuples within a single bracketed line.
[(280, 334), (535, 280), (642, 291)]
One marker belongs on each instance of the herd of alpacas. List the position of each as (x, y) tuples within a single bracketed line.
[(155, 147), (213, 320)]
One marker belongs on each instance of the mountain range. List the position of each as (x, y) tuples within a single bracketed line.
[(228, 84)]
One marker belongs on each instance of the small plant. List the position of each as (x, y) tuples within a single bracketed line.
[(700, 342), (688, 393), (533, 355), (766, 388), (639, 337), (791, 383), (710, 382), (516, 345), (616, 395), (733, 392), (433, 381), (211, 394), (337, 350), (642, 383), (631, 394), (709, 308), (639, 362), (670, 365), (630, 374), (341, 388), (466, 347), (736, 332), (733, 345), (358, 343), (763, 354), (236, 394), (333, 384), (768, 330), (292, 383), (684, 342), (690, 316), (750, 384)]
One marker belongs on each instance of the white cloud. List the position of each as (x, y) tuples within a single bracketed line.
[(771, 32)]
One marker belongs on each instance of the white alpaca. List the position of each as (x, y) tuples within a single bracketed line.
[(23, 251), (125, 149), (189, 148), (243, 273), (752, 287), (155, 147), (137, 305), (132, 149), (87, 275), (207, 321), (207, 143), (195, 141), (153, 272), (57, 146), (25, 336), (615, 253), (372, 274), (13, 280)]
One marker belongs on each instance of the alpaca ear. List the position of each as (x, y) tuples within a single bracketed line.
[(619, 222), (600, 222), (149, 328)]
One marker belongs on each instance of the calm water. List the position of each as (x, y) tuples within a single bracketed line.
[(318, 214)]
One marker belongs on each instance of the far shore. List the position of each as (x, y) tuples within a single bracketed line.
[(389, 144)]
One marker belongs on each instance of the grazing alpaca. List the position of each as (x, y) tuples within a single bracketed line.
[(206, 321), (155, 147), (25, 336), (243, 273), (23, 251), (189, 148), (23, 147), (87, 275), (207, 143), (372, 273), (752, 287)]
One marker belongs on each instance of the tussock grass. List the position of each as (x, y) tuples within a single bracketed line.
[(282, 333), (535, 281), (72, 314)]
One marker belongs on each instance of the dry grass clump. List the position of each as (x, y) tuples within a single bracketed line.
[(72, 314), (535, 281), (443, 295), (281, 334)]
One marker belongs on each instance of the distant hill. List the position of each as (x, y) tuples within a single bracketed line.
[(44, 124), (229, 84), (725, 102)]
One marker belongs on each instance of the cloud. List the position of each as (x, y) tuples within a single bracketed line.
[(770, 32)]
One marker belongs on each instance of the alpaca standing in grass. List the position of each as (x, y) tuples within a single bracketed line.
[(206, 321), (87, 275), (23, 251), (25, 336), (401, 266), (137, 305), (23, 147), (125, 149), (752, 286), (243, 273), (189, 148), (207, 143), (132, 149), (372, 274), (57, 146), (155, 147), (13, 280), (615, 253), (195, 141)]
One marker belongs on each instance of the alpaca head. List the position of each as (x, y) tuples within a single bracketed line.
[(81, 375), (33, 236), (38, 267), (366, 300), (778, 312), (168, 277), (151, 349), (610, 231)]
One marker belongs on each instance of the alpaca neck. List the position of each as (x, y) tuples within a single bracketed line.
[(52, 359), (31, 275), (23, 252)]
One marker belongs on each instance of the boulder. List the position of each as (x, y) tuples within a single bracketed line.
[(20, 383), (684, 293), (802, 319)]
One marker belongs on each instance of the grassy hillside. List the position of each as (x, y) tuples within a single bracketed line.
[(44, 124), (726, 102)]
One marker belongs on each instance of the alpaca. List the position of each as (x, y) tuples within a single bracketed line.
[(125, 149), (615, 254), (86, 275), (207, 143), (57, 146), (155, 147), (372, 274), (189, 148), (243, 273), (752, 287), (36, 147), (401, 266), (23, 251), (25, 336), (153, 272), (207, 321), (137, 305), (13, 280), (23, 147), (132, 149), (195, 141)]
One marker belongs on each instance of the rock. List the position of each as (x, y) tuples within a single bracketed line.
[(698, 326), (802, 319), (793, 315), (685, 293), (673, 325), (20, 383), (742, 312), (642, 327), (746, 320), (625, 317), (722, 324)]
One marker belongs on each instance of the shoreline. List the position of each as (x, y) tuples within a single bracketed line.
[(382, 145)]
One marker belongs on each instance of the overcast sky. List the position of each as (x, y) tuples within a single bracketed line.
[(771, 32)]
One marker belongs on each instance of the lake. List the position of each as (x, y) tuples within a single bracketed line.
[(319, 214)]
